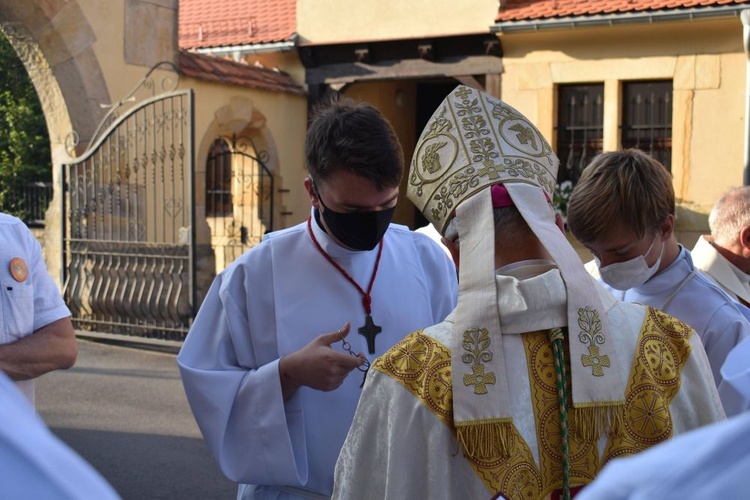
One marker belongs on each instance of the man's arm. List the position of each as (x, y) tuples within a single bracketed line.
[(51, 347)]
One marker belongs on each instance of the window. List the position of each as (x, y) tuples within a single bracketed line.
[(219, 180), (647, 118), (580, 128)]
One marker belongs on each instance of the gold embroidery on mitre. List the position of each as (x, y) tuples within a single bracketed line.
[(583, 451), (476, 345), (663, 349), (591, 333), (472, 141)]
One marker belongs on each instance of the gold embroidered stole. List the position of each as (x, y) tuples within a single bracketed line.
[(423, 366)]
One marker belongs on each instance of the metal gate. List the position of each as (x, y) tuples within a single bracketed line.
[(128, 238), (239, 198)]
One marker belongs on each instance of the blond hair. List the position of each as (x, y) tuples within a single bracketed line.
[(624, 188)]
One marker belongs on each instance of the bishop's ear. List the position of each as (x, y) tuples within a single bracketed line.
[(745, 237)]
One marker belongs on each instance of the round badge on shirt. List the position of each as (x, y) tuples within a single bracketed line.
[(18, 269)]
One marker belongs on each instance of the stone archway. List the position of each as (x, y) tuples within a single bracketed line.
[(83, 55), (55, 43), (241, 122)]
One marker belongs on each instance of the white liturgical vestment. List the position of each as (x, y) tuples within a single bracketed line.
[(682, 291), (402, 443), (725, 274), (274, 300), (34, 463)]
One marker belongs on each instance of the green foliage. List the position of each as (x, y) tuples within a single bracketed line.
[(24, 141)]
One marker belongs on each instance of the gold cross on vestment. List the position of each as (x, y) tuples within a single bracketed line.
[(479, 380)]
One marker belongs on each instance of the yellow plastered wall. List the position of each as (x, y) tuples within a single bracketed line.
[(706, 63), (277, 123), (330, 21)]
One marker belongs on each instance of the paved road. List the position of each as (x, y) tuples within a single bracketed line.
[(123, 409)]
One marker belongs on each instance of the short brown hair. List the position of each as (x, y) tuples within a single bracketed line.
[(348, 135), (626, 187)]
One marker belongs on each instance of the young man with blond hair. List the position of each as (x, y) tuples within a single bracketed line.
[(623, 210)]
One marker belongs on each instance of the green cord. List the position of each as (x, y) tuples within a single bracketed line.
[(557, 337)]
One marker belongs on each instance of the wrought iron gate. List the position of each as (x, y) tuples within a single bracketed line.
[(239, 198), (128, 239)]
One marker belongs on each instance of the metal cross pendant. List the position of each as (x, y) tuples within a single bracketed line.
[(369, 330)]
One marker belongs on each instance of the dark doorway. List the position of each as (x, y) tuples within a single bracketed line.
[(430, 94)]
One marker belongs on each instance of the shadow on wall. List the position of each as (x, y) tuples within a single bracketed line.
[(691, 223)]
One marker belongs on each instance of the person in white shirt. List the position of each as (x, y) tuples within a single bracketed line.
[(623, 210), (35, 463), (270, 365), (37, 335)]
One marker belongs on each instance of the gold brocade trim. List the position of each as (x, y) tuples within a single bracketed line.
[(662, 350), (422, 365), (583, 452)]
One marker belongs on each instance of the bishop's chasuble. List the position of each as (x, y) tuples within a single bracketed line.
[(403, 443)]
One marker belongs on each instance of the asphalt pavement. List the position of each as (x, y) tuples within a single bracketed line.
[(124, 410)]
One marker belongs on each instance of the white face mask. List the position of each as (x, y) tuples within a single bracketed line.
[(630, 273)]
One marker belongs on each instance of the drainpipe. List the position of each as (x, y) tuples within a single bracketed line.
[(745, 17)]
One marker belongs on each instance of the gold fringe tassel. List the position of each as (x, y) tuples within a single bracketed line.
[(591, 422), (486, 440)]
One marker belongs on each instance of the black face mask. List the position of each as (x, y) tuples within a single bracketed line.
[(357, 230)]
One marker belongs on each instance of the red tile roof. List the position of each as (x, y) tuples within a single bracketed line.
[(215, 69), (518, 10), (218, 23)]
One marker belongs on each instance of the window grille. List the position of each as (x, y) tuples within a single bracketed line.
[(219, 180), (580, 128), (647, 118)]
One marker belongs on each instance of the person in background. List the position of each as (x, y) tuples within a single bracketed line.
[(37, 334), (623, 210), (724, 256), (273, 364), (539, 376)]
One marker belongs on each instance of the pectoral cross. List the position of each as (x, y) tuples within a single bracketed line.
[(369, 330)]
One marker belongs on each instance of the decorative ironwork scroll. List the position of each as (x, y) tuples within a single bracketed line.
[(128, 220)]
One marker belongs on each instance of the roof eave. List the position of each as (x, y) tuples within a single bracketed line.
[(250, 48), (646, 17)]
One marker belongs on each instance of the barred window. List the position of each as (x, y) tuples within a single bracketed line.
[(647, 118), (580, 127), (219, 180)]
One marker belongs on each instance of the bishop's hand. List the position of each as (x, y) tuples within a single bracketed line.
[(317, 365)]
